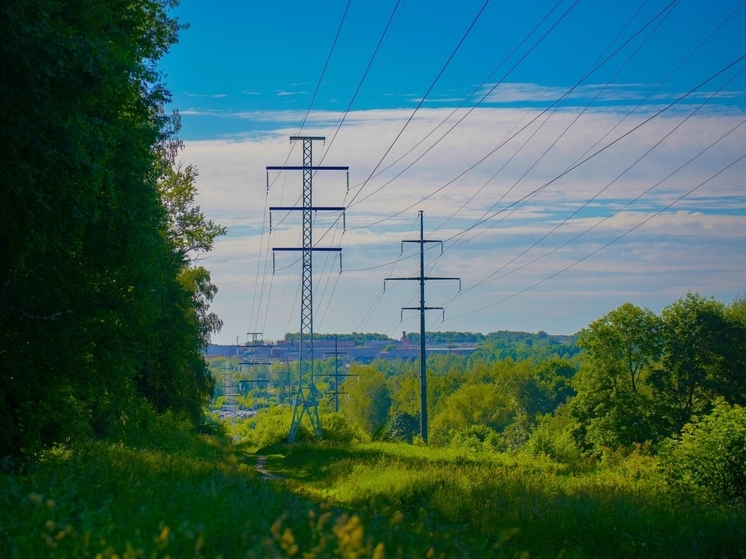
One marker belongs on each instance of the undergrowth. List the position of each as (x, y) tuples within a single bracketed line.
[(479, 505), (172, 493)]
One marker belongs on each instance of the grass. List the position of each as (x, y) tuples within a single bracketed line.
[(483, 505), (185, 495)]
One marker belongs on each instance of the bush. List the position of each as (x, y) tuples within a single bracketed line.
[(337, 429), (271, 426), (709, 458), (267, 428), (552, 437), (476, 438), (403, 427)]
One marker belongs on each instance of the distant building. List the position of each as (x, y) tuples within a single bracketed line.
[(347, 351)]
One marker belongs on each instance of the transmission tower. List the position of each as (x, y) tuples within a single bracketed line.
[(230, 391), (255, 337), (422, 308), (337, 375), (307, 395), (257, 369)]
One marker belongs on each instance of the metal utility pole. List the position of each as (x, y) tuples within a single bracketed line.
[(245, 383), (254, 338), (337, 375), (422, 308), (306, 399)]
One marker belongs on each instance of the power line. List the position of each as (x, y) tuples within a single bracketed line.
[(595, 196), (326, 64), (617, 212), (601, 150), (586, 257), (450, 129), (466, 99), (365, 74), (554, 111), (504, 142), (432, 85)]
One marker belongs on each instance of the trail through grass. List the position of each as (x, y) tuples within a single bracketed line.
[(196, 496), (484, 505)]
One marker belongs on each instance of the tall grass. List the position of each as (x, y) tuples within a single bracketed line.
[(164, 494), (175, 494), (488, 504)]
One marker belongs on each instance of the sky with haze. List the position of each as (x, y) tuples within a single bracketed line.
[(571, 155)]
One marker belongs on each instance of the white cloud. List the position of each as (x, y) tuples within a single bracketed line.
[(207, 95), (698, 244), (511, 93)]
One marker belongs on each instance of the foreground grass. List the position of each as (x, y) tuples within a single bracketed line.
[(483, 505), (195, 496), (177, 496)]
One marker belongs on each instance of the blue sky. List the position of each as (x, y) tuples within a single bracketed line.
[(572, 156)]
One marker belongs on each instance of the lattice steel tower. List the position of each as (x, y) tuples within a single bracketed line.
[(307, 395)]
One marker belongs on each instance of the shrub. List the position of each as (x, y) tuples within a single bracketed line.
[(709, 458), (552, 437), (271, 426), (476, 438), (403, 427), (268, 427), (337, 429)]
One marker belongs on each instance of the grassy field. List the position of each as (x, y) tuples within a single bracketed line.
[(181, 495)]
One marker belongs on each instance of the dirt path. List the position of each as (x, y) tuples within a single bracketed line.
[(261, 467)]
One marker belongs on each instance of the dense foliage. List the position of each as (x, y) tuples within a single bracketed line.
[(631, 381), (167, 493), (645, 376), (709, 457), (101, 317)]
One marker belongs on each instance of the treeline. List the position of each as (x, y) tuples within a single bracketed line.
[(358, 337), (630, 378), (645, 376), (671, 385), (500, 339), (102, 314), (505, 337)]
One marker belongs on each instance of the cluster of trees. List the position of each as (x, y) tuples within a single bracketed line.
[(512, 377), (358, 337), (103, 313), (645, 376), (672, 384), (499, 401), (630, 379)]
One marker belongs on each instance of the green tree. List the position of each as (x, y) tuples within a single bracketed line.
[(405, 393), (188, 229), (369, 401), (613, 397), (97, 322), (474, 404), (710, 455), (555, 376), (703, 359)]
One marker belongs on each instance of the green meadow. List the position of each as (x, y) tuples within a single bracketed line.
[(176, 493)]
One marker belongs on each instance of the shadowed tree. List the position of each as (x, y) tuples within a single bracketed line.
[(97, 321)]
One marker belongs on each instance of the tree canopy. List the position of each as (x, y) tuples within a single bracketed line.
[(101, 317)]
